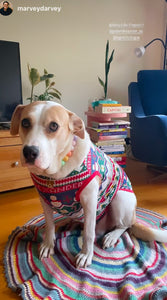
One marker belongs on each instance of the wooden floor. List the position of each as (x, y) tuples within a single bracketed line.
[(17, 207)]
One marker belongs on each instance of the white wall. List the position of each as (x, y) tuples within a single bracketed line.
[(71, 44)]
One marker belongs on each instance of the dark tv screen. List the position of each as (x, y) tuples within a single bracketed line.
[(10, 79)]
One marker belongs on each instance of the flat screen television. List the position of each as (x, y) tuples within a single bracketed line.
[(10, 80)]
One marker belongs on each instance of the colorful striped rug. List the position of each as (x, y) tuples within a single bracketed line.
[(133, 269)]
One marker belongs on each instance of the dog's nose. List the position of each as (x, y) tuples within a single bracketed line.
[(30, 153)]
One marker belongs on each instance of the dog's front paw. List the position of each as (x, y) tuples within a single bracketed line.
[(109, 240), (46, 249), (83, 260)]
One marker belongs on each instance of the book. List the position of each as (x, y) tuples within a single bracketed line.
[(110, 142), (114, 153), (119, 156), (109, 137), (100, 134), (109, 101), (109, 109), (105, 131), (104, 103), (101, 117), (112, 124), (112, 148)]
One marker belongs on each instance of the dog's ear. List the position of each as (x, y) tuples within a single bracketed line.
[(76, 125), (14, 129)]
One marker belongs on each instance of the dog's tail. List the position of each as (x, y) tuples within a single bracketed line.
[(149, 234)]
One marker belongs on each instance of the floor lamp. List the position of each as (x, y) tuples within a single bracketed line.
[(141, 50)]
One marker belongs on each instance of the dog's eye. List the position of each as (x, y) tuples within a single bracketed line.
[(25, 123), (53, 126)]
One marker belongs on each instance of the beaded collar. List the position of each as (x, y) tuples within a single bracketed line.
[(64, 160), (69, 154)]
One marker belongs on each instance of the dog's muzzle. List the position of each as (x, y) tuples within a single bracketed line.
[(30, 153)]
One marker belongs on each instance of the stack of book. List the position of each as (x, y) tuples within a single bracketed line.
[(112, 108), (109, 136)]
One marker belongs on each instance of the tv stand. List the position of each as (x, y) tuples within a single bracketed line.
[(4, 126), (12, 174)]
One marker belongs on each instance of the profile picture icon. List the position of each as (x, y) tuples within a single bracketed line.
[(6, 8)]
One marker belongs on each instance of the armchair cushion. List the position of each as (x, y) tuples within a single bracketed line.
[(148, 100), (152, 86)]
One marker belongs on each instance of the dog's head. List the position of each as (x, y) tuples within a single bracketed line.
[(46, 130)]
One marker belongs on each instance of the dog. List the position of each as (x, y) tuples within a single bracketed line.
[(75, 178)]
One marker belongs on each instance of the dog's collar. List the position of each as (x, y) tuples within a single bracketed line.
[(69, 154)]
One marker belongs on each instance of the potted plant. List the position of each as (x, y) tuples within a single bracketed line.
[(108, 61), (50, 92), (104, 84)]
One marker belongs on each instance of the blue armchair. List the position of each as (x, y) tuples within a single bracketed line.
[(148, 99)]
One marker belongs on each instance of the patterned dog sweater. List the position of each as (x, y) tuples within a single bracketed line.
[(64, 195)]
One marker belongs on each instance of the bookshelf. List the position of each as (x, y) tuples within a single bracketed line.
[(108, 131)]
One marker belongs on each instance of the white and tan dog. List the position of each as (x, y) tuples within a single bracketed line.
[(74, 178)]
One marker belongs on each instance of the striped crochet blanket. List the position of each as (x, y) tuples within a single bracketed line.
[(133, 269)]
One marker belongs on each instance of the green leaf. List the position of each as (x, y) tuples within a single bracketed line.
[(106, 56), (34, 76), (41, 97), (43, 77), (28, 66), (101, 82), (47, 80), (52, 83), (45, 96), (50, 75), (46, 76), (54, 95), (35, 98), (47, 83), (110, 60), (56, 91)]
